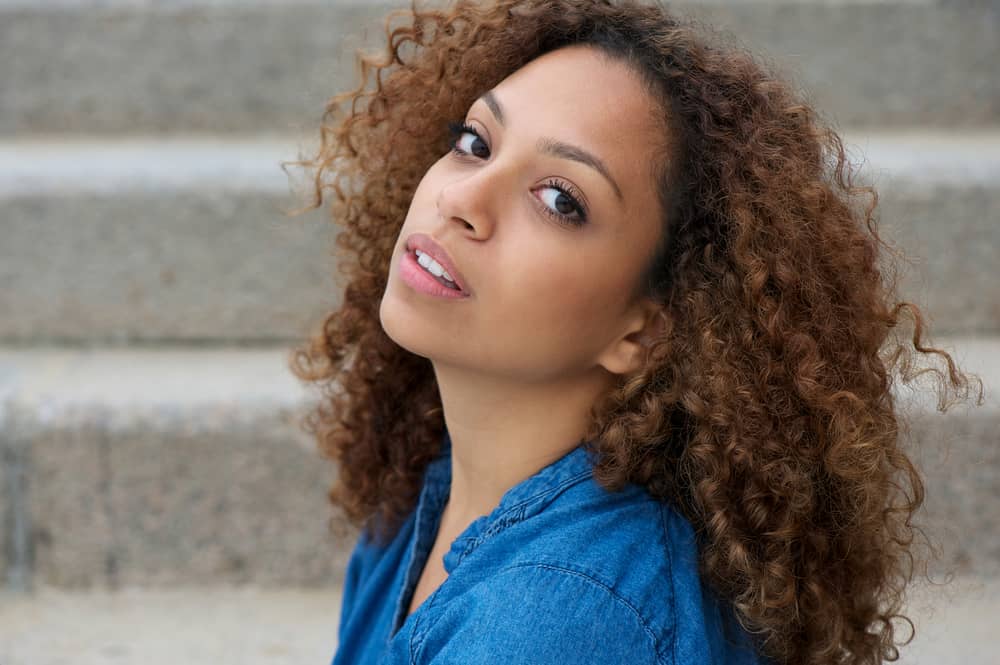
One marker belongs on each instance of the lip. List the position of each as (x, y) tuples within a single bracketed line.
[(420, 280), (427, 245)]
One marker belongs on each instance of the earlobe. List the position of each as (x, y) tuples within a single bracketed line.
[(624, 358)]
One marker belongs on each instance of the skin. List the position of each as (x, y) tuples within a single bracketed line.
[(548, 327)]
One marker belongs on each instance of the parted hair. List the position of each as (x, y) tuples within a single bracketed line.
[(764, 410)]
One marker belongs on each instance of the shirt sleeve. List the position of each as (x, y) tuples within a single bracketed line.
[(352, 578), (539, 614)]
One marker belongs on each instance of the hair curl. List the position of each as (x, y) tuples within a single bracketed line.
[(764, 410)]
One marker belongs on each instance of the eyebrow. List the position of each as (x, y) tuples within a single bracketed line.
[(550, 146)]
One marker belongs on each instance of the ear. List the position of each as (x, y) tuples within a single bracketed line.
[(644, 323)]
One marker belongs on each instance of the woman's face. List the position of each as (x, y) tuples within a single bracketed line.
[(550, 240)]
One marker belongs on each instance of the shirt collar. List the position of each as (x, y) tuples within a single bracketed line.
[(526, 498)]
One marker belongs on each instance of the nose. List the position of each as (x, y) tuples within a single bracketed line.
[(473, 196)]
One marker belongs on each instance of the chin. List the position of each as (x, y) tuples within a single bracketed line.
[(399, 325)]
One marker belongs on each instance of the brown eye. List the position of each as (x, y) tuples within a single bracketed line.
[(560, 204), (476, 147)]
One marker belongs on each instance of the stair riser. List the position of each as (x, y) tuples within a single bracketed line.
[(211, 497), (241, 67), (204, 265), (226, 496)]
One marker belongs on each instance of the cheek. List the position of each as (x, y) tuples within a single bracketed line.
[(559, 304)]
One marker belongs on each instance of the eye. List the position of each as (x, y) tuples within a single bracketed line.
[(559, 207), (457, 131), (563, 202)]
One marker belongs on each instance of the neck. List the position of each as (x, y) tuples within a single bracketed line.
[(504, 432)]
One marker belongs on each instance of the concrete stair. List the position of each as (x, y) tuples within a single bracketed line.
[(195, 624), (184, 240), (154, 476), (237, 626), (129, 467), (161, 467), (173, 240), (132, 231), (236, 67)]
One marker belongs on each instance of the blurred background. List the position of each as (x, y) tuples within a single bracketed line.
[(157, 499)]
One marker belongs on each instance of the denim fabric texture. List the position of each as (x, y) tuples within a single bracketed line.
[(561, 571)]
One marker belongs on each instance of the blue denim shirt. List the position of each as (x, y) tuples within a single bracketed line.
[(561, 571)]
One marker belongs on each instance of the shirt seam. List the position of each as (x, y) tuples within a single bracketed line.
[(514, 514), (510, 516), (598, 583), (418, 637), (673, 589), (501, 519)]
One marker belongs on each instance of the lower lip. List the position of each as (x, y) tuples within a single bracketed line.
[(421, 280)]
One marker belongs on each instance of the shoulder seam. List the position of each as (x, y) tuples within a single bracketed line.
[(598, 583)]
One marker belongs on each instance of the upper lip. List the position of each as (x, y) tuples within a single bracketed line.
[(428, 245)]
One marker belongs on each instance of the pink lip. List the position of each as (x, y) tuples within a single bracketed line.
[(426, 244), (419, 279)]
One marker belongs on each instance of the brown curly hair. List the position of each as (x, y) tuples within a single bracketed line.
[(764, 410)]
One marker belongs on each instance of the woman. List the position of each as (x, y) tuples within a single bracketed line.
[(609, 382)]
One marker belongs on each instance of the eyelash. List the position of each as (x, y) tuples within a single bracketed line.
[(455, 131)]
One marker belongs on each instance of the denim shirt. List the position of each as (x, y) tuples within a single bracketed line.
[(561, 571)]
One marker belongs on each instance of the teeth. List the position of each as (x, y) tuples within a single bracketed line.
[(432, 266)]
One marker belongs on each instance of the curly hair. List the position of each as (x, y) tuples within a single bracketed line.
[(764, 409)]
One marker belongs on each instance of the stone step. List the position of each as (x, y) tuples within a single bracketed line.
[(161, 467), (185, 240), (157, 467), (221, 626), (250, 626), (197, 625), (119, 66), (181, 239)]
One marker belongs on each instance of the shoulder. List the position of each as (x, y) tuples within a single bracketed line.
[(628, 541), (372, 567), (619, 568), (538, 612)]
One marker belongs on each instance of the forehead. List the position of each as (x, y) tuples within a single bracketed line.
[(578, 95), (568, 75)]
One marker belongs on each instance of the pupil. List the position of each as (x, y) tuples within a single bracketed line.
[(568, 206)]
